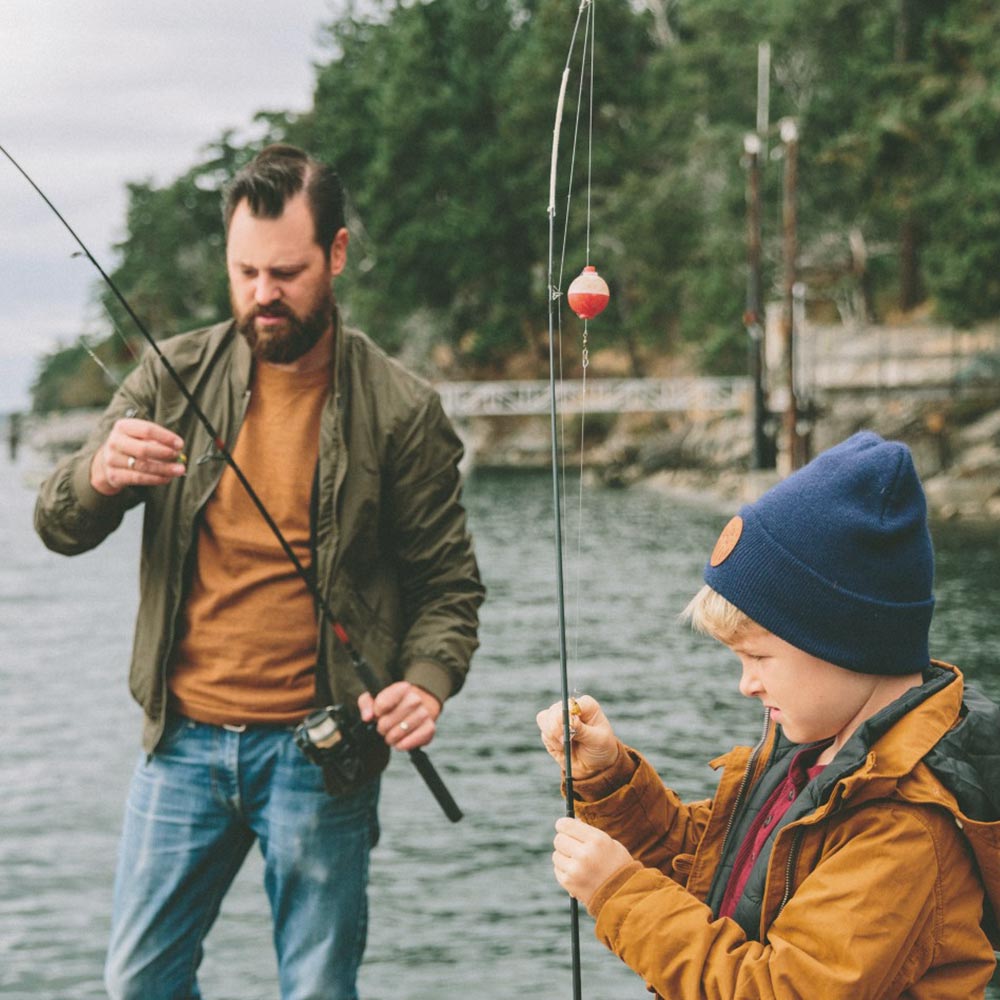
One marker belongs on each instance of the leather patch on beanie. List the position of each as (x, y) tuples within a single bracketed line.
[(727, 541)]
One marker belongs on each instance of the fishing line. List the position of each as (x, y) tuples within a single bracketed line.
[(119, 332), (557, 439), (119, 384), (585, 90), (362, 667), (589, 35), (111, 377)]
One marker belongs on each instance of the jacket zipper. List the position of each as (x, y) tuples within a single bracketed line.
[(793, 856), (744, 783), (793, 851)]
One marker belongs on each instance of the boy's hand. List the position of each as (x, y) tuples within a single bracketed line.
[(594, 744), (585, 858)]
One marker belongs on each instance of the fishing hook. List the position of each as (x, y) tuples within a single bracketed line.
[(361, 666)]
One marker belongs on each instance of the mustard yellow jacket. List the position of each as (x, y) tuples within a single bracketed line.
[(877, 892)]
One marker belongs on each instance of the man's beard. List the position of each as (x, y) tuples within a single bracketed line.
[(300, 335)]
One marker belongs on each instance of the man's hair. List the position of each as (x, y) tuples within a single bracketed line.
[(710, 613), (278, 173)]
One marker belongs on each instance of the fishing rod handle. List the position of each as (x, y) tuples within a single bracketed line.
[(420, 759), (433, 781)]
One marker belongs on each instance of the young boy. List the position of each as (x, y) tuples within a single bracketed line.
[(855, 851)]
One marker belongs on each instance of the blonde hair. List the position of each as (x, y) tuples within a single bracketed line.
[(711, 614)]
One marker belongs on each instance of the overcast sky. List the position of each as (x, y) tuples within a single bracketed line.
[(98, 93)]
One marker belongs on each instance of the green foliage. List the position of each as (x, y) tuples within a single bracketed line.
[(900, 136), (962, 204), (172, 269), (69, 379), (439, 116), (409, 112)]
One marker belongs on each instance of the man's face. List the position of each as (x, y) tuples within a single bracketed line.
[(280, 280)]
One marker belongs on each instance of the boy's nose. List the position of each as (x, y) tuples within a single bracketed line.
[(750, 684)]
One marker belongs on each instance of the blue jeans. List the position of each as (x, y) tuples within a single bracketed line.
[(194, 810)]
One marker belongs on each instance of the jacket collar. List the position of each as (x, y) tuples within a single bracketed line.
[(242, 358), (338, 361), (886, 748), (917, 720)]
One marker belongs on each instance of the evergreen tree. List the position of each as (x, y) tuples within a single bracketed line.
[(439, 115)]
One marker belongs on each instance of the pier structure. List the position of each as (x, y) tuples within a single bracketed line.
[(597, 395)]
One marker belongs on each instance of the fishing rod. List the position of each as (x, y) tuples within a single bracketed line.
[(554, 318), (361, 666)]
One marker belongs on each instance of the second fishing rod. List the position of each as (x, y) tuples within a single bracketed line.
[(314, 729)]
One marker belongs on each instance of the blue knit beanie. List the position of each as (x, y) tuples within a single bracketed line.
[(837, 559)]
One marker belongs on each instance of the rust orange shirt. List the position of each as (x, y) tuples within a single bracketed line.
[(248, 650)]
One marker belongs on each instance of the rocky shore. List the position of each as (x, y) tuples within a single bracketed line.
[(955, 439)]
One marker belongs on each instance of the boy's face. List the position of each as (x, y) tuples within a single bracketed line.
[(811, 699)]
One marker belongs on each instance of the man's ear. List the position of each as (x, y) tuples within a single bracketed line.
[(338, 251)]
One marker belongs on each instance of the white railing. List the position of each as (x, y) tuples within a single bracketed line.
[(603, 395)]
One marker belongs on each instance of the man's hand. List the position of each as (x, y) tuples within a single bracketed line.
[(406, 714), (136, 453), (594, 744)]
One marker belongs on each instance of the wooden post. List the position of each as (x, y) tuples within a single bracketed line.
[(761, 455), (790, 137)]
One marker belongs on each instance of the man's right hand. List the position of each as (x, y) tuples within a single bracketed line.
[(137, 453)]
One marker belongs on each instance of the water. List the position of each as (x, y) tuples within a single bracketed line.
[(458, 910)]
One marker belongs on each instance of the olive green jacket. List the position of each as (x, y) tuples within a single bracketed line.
[(393, 558)]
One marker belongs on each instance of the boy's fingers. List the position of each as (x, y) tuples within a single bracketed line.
[(573, 827)]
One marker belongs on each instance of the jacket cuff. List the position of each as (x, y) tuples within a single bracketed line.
[(431, 676), (610, 886), (87, 497), (604, 783)]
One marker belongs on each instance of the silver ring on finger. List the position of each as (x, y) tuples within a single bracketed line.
[(405, 726), (131, 462)]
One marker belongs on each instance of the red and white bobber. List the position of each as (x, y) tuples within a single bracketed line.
[(588, 293)]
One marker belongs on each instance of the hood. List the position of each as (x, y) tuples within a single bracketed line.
[(952, 731), (966, 760)]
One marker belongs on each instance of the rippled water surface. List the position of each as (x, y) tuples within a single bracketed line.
[(466, 910)]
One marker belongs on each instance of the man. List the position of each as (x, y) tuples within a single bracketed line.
[(357, 464)]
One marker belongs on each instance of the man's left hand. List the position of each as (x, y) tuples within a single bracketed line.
[(406, 714), (585, 858)]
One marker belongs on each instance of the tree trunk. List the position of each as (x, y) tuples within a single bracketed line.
[(910, 285)]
